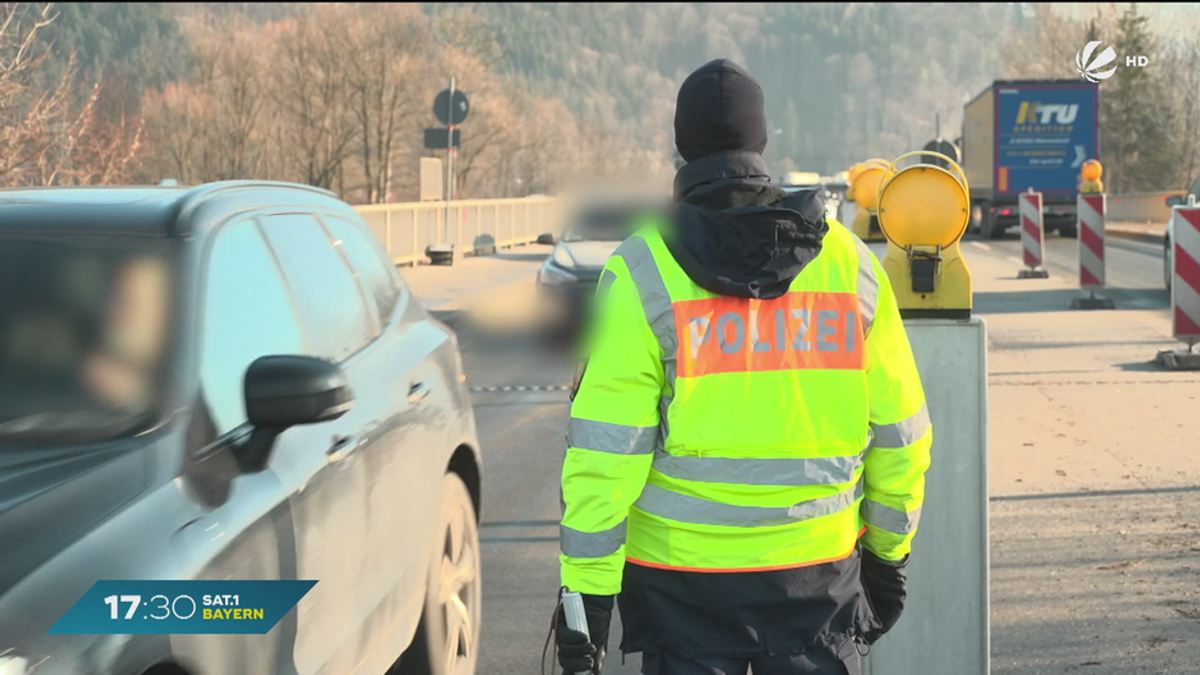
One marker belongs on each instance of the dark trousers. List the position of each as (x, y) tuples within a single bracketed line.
[(827, 661)]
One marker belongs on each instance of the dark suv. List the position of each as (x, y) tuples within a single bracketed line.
[(229, 382)]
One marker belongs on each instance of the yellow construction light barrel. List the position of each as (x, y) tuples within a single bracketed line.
[(923, 212), (924, 204), (867, 181), (1092, 170)]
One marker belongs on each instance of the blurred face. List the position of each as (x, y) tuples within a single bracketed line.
[(121, 369), (85, 324)]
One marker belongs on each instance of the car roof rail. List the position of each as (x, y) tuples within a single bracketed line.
[(217, 186)]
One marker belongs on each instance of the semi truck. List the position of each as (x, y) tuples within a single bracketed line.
[(1022, 134)]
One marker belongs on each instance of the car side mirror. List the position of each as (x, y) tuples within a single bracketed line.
[(546, 239), (1174, 200), (287, 391)]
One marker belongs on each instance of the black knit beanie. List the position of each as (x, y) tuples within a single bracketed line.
[(719, 109)]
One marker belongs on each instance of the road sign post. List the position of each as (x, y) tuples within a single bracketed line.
[(1033, 236), (1090, 210), (449, 158), (1185, 287), (450, 107)]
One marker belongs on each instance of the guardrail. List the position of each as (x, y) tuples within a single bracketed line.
[(1140, 207), (475, 226), (479, 226)]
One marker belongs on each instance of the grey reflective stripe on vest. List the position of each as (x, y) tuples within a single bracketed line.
[(618, 439), (606, 280), (576, 544), (903, 433), (656, 302), (868, 285), (685, 509), (789, 472), (888, 519)]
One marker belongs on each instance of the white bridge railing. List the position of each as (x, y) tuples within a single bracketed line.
[(472, 226), (479, 226)]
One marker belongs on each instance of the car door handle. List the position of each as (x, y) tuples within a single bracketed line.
[(417, 392), (343, 448)]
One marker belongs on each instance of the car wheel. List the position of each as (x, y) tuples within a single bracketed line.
[(1168, 273), (1071, 231), (447, 641)]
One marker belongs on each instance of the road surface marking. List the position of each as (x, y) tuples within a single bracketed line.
[(1015, 259), (531, 387), (980, 244)]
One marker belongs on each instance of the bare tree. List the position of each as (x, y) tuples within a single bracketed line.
[(238, 92), (178, 124), (313, 63), (32, 115), (104, 152), (385, 89), (1037, 48), (1181, 68)]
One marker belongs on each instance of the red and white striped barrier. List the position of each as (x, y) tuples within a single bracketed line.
[(1090, 210), (1033, 231), (1185, 282), (1185, 287)]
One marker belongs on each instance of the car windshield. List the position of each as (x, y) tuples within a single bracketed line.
[(84, 326), (601, 224)]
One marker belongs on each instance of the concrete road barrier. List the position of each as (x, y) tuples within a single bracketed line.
[(945, 628)]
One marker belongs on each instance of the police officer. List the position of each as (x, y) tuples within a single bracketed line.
[(749, 438)]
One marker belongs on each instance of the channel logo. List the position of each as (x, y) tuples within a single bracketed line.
[(1098, 68)]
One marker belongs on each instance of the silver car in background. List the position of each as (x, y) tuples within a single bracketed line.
[(568, 279)]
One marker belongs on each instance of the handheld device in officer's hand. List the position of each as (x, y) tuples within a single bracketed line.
[(575, 615)]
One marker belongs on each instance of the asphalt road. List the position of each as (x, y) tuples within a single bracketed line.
[(1134, 267), (520, 397)]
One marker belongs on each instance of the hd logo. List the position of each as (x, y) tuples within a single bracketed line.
[(1035, 113)]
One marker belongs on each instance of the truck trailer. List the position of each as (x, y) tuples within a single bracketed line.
[(1022, 134)]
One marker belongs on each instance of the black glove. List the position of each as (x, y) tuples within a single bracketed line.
[(884, 583), (577, 654)]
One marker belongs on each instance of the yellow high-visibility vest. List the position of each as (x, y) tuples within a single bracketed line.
[(720, 434)]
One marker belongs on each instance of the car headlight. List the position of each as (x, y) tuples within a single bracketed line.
[(562, 257), (551, 275), (12, 665)]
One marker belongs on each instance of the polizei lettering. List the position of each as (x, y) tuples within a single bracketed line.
[(796, 331)]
